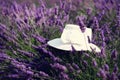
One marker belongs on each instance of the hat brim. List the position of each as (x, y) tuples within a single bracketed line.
[(57, 43)]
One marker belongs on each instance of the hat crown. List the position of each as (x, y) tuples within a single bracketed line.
[(73, 35)]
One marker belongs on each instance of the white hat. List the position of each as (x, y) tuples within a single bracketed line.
[(73, 36)]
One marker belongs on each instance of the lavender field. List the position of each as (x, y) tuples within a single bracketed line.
[(26, 27)]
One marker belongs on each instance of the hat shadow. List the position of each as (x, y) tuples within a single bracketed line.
[(67, 56)]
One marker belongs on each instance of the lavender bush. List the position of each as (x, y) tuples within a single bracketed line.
[(26, 26)]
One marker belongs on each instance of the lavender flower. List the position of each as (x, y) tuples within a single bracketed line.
[(13, 76), (41, 49), (104, 44), (73, 49), (27, 12), (70, 68), (102, 53), (64, 76), (4, 56), (89, 11), (57, 59), (85, 63), (75, 66), (22, 67), (118, 14), (102, 34), (96, 23), (113, 76), (81, 20), (56, 10), (39, 38), (43, 74), (62, 4), (102, 73), (114, 55), (106, 67), (87, 55), (15, 6), (59, 67), (26, 53), (115, 70), (3, 27), (94, 63)]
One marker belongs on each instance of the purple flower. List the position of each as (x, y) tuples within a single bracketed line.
[(75, 66), (15, 7), (22, 67), (64, 76), (80, 20), (85, 63), (87, 55), (102, 34), (13, 76), (56, 10), (62, 4), (118, 15), (4, 56), (89, 11), (18, 64), (3, 27), (96, 23), (79, 71), (27, 12), (115, 70), (43, 50), (102, 53), (25, 53), (73, 49), (103, 44), (57, 59), (94, 63), (102, 73), (29, 72), (39, 38), (71, 69), (66, 18), (113, 76), (114, 54), (59, 67), (43, 74), (106, 67)]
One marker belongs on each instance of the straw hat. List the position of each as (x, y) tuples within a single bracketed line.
[(72, 36)]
